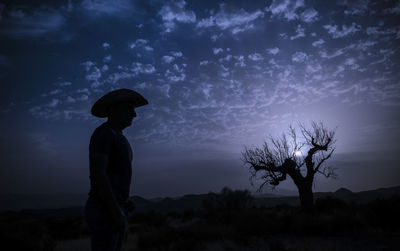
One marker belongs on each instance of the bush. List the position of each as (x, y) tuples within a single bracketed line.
[(329, 204), (26, 234)]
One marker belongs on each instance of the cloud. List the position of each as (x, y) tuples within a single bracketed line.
[(215, 37), (175, 12), (94, 75), (141, 43), (56, 91), (345, 30), (167, 59), (393, 10), (364, 45), (83, 97), (148, 48), (227, 58), (176, 74), (238, 20), (137, 68), (107, 58), (239, 61), (217, 51), (88, 64), (318, 43), (309, 15), (83, 90), (115, 77), (109, 7), (205, 62), (22, 23), (70, 99), (255, 57), (54, 102), (286, 8), (299, 33), (237, 30), (106, 45), (299, 57), (375, 30), (273, 51), (176, 53), (351, 62), (355, 7), (336, 53)]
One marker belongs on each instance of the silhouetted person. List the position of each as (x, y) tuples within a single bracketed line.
[(110, 158)]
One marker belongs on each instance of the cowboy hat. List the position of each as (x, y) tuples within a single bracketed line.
[(100, 107)]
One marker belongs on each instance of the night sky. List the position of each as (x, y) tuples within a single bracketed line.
[(218, 76)]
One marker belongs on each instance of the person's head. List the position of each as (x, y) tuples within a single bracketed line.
[(121, 114)]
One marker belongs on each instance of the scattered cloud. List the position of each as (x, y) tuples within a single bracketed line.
[(237, 20), (255, 57), (138, 68), (168, 59), (318, 43), (176, 73), (285, 8), (175, 12), (273, 51), (393, 10), (22, 23), (309, 15), (299, 33), (355, 7), (337, 32), (107, 58), (217, 51), (176, 54), (299, 57), (109, 7), (65, 83)]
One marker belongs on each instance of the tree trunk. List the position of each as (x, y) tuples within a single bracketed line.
[(306, 197)]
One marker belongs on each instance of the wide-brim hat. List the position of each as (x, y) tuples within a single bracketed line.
[(100, 107)]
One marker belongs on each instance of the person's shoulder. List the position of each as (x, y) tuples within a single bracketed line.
[(104, 130), (102, 140)]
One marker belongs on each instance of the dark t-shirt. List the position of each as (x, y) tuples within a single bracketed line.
[(106, 140)]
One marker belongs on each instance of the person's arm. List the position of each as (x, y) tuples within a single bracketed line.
[(103, 188)]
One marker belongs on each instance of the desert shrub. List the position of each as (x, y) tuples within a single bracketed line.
[(65, 228), (187, 215), (26, 234), (237, 199), (329, 204), (173, 215), (276, 245), (228, 199), (202, 231), (186, 244), (152, 237), (150, 218), (383, 215)]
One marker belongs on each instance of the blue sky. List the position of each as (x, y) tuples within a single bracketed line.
[(218, 76)]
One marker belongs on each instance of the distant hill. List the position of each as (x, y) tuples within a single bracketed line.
[(196, 201), (362, 197), (40, 201)]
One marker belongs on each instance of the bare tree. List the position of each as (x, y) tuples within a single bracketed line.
[(281, 156)]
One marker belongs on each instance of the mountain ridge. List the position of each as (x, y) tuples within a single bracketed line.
[(196, 202)]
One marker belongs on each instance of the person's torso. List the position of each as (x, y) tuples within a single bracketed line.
[(119, 169)]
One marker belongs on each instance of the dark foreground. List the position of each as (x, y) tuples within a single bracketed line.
[(226, 223)]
